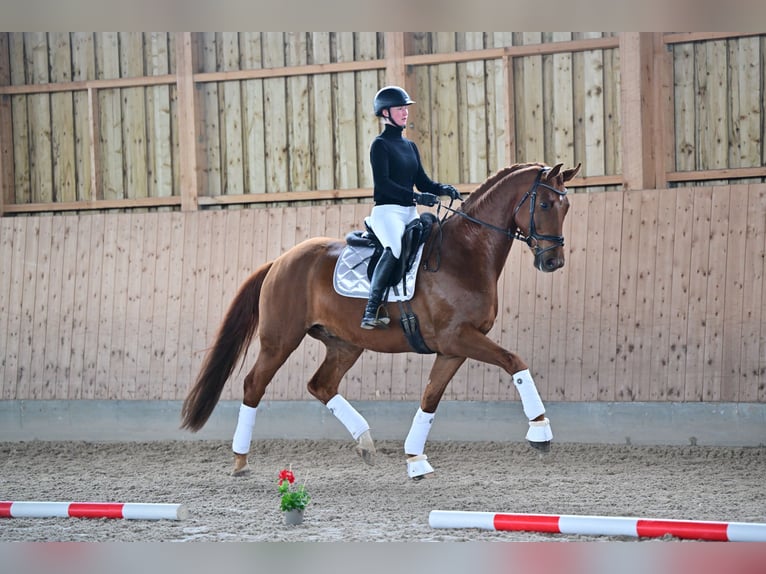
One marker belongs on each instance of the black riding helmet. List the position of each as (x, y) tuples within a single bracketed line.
[(390, 97)]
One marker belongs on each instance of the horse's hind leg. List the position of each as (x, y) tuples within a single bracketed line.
[(324, 384), (270, 358)]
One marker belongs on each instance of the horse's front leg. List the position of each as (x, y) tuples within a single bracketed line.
[(443, 370), (476, 345)]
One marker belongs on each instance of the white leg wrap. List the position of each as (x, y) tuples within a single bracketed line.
[(540, 431), (240, 444), (418, 466), (415, 442), (348, 415), (530, 398)]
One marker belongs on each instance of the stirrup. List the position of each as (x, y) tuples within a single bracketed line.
[(376, 321)]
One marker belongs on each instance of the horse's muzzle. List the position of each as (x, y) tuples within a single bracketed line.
[(548, 262)]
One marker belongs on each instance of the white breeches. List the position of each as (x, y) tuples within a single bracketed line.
[(388, 223)]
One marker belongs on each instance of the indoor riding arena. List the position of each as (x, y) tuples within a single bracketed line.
[(145, 176)]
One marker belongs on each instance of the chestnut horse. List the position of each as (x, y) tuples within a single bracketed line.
[(455, 302)]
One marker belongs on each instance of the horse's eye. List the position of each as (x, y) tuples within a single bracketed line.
[(545, 205)]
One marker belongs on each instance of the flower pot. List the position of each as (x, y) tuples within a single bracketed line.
[(294, 516)]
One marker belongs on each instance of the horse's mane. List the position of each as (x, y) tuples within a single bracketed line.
[(480, 192)]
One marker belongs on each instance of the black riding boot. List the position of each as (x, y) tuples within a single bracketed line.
[(378, 284)]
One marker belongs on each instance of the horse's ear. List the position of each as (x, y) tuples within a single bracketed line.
[(571, 172), (553, 172)]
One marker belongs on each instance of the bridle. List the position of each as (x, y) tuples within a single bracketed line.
[(533, 238)]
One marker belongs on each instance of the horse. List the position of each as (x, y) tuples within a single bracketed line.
[(455, 302)]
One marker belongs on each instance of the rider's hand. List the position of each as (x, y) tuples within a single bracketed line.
[(446, 189), (427, 199)]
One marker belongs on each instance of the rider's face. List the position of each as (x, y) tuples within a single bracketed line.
[(399, 115)]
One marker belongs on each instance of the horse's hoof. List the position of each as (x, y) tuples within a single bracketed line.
[(366, 448), (241, 468), (544, 446), (418, 467)]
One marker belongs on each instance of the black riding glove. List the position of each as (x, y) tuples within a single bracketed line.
[(427, 199), (446, 189)]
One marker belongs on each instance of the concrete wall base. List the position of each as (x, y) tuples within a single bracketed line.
[(641, 423)]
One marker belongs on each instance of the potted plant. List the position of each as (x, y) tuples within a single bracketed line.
[(293, 499)]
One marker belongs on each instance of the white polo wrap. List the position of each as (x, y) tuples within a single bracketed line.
[(530, 398), (240, 444), (415, 442), (348, 415)]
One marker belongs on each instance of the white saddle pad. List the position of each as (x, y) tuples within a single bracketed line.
[(350, 277)]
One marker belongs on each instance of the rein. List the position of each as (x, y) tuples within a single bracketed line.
[(533, 239)]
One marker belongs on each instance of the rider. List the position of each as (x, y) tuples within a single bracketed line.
[(396, 168)]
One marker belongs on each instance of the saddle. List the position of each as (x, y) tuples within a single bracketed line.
[(416, 234)]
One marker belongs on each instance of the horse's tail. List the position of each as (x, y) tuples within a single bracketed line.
[(233, 339)]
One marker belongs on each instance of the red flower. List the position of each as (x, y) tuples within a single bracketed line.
[(286, 475)]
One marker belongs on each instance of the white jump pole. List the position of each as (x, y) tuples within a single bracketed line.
[(126, 510), (601, 525)]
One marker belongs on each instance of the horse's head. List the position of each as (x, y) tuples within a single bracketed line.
[(541, 222)]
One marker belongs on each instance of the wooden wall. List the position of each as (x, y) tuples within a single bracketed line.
[(662, 299), (188, 121)]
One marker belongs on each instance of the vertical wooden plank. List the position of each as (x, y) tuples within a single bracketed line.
[(14, 265), (54, 317), (20, 130), (645, 333), (593, 84), (93, 313), (562, 115), (680, 292), (613, 130), (210, 118), (627, 360), (83, 68), (299, 160), (187, 361), (158, 118), (475, 151), (347, 154), (712, 109), (176, 287), (62, 119), (110, 143), (496, 93), (232, 160), (135, 254), (610, 296), (542, 332), (40, 320), (732, 319), (190, 121), (82, 303), (367, 86), (663, 295), (275, 108), (715, 300), (27, 326), (144, 380), (122, 279), (38, 105), (753, 337), (695, 324), (322, 133), (133, 116), (6, 129), (579, 224), (160, 343), (213, 277), (232, 231), (593, 259), (684, 99), (106, 304), (254, 120), (446, 158), (529, 104), (420, 128), (747, 111), (6, 256)]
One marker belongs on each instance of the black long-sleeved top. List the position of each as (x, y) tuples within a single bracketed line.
[(396, 168)]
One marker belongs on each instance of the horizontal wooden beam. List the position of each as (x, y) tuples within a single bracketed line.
[(685, 37), (708, 174), (136, 82)]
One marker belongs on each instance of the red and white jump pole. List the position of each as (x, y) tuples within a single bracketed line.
[(601, 525), (127, 510)]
